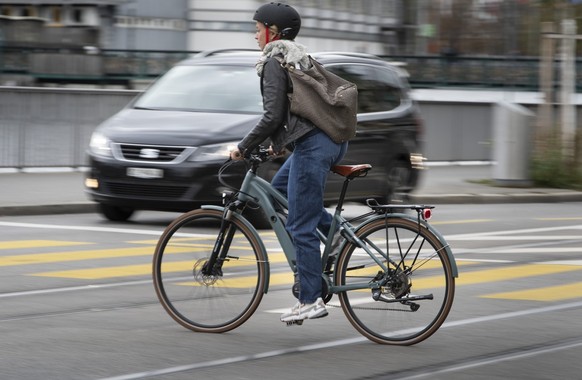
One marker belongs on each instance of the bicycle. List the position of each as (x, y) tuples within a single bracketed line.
[(394, 273)]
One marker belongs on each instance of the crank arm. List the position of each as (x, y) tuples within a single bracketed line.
[(377, 296)]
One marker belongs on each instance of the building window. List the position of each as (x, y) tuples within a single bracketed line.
[(56, 16), (78, 15), (150, 23)]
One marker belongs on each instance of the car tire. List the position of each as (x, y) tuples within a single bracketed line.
[(397, 188), (116, 213), (257, 218)]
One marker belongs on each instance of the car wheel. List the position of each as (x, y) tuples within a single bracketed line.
[(398, 177), (116, 213), (268, 170), (257, 218)]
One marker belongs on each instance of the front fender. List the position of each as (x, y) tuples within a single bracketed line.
[(243, 220)]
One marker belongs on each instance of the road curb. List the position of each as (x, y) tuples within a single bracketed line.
[(496, 198), (70, 208)]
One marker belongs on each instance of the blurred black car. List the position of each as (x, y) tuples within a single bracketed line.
[(163, 151)]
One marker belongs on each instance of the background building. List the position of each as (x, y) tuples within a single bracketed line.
[(473, 42), (369, 26), (149, 25), (470, 27), (372, 26), (128, 41)]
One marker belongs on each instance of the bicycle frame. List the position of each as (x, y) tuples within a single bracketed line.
[(256, 189), (388, 261)]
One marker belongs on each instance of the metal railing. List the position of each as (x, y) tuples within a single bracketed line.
[(50, 127), (124, 66)]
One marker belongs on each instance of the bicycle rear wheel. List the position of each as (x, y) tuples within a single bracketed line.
[(197, 299), (417, 282)]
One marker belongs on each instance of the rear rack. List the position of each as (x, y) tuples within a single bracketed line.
[(423, 211)]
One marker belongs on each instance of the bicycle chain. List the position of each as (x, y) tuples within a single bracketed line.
[(371, 308)]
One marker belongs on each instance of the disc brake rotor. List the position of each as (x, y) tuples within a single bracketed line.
[(201, 278)]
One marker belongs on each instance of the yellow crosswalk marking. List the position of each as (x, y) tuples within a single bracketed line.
[(144, 269), (19, 244), (496, 274), (45, 258), (512, 272), (493, 275), (549, 293), (190, 244), (275, 279), (177, 266)]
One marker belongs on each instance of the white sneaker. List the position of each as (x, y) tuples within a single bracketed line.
[(301, 311)]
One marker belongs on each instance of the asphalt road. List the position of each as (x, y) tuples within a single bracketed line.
[(78, 303)]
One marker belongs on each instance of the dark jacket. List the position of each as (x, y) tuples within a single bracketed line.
[(275, 85)]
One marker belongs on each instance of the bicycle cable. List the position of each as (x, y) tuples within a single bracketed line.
[(227, 164)]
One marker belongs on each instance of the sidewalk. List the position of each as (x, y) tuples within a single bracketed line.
[(26, 193), (455, 184)]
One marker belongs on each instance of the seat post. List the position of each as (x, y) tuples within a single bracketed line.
[(340, 202), (349, 172)]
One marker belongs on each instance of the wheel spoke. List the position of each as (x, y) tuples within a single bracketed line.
[(408, 301), (208, 297)]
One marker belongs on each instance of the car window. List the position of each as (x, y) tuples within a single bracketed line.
[(378, 89), (205, 88)]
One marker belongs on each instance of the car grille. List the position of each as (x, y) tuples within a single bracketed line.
[(147, 191), (149, 153)]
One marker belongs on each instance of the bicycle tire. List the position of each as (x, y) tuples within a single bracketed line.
[(402, 320), (202, 303)]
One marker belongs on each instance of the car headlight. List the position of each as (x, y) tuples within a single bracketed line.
[(417, 161), (100, 145), (214, 152)]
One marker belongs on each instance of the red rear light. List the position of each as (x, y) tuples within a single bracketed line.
[(426, 213)]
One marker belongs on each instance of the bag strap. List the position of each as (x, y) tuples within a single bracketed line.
[(286, 67)]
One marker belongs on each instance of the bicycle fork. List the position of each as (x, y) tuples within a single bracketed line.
[(213, 266)]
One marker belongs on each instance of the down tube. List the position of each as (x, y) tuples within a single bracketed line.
[(263, 190)]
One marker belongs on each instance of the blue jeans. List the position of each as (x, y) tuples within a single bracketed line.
[(302, 179)]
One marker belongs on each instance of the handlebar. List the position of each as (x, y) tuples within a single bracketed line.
[(256, 158), (260, 155)]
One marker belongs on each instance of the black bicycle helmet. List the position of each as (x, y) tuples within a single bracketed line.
[(283, 16)]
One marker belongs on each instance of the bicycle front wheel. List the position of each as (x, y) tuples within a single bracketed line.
[(203, 300), (405, 290)]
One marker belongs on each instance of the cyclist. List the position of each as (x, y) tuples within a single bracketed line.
[(303, 176)]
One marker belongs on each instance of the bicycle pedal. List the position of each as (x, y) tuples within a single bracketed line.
[(291, 323)]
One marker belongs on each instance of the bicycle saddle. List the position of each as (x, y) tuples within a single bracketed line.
[(351, 171)]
